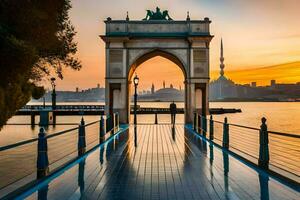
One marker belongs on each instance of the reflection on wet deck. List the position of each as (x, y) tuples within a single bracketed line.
[(166, 164)]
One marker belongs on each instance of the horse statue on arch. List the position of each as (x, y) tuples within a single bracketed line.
[(158, 15)]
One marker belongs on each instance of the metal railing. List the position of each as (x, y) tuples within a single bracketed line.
[(30, 160), (65, 107), (273, 151)]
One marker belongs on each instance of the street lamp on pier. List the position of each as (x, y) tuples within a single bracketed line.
[(136, 82), (53, 93)]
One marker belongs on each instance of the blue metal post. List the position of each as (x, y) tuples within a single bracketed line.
[(81, 138), (117, 122), (225, 134), (53, 99), (42, 157), (199, 125), (211, 128), (102, 129), (113, 123), (204, 126), (195, 122), (264, 158), (32, 116), (107, 122)]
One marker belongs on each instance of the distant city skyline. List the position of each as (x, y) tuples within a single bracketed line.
[(181, 87)]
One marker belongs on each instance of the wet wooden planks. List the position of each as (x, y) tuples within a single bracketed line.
[(166, 164)]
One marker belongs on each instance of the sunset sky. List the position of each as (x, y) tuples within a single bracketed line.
[(257, 34)]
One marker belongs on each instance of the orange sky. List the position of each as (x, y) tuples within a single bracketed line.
[(157, 70), (255, 33), (282, 73)]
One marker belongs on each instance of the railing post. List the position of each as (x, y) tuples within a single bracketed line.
[(81, 138), (195, 122), (102, 129), (32, 116), (54, 118), (117, 122), (113, 124), (199, 123), (211, 128), (204, 126), (42, 157), (225, 134), (155, 121), (264, 158), (108, 123)]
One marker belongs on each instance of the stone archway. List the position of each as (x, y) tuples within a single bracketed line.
[(147, 56), (130, 43)]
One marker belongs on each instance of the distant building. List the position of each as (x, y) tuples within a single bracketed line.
[(273, 83), (89, 95), (253, 84), (163, 94), (164, 84)]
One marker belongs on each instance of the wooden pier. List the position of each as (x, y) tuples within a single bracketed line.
[(164, 165)]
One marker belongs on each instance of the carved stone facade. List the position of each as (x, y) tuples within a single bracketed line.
[(130, 43)]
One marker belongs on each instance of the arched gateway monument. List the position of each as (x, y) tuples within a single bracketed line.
[(130, 43)]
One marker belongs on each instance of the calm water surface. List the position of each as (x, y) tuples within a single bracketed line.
[(281, 116)]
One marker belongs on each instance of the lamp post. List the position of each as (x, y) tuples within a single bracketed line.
[(53, 93), (136, 82)]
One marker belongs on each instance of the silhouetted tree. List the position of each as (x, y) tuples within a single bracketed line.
[(36, 39)]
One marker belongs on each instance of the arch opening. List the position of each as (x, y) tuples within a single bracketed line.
[(168, 76), (147, 56)]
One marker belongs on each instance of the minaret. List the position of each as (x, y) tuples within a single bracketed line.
[(222, 66), (152, 89)]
